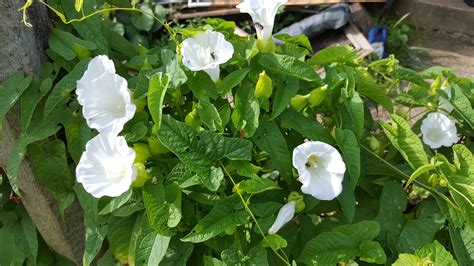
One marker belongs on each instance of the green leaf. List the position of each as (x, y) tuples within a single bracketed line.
[(406, 142), (91, 30), (344, 243), (288, 66), (353, 114), (270, 139), (151, 247), (10, 91), (366, 86), (200, 151), (409, 259), (257, 185), (307, 127), (172, 68), (178, 253), (222, 216), (210, 261), (121, 236), (209, 115), (182, 176), (462, 240), (246, 111), (115, 203), (462, 105), (158, 209), (235, 256), (333, 54), (461, 186), (393, 203), (274, 242), (417, 233), (156, 94), (50, 166), (143, 20), (62, 90), (31, 98), (347, 200), (410, 75), (300, 40), (283, 96), (77, 135), (69, 46), (232, 80), (437, 254), (347, 142), (120, 44), (94, 239)]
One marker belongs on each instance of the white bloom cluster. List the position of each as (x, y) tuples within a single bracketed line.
[(106, 166)]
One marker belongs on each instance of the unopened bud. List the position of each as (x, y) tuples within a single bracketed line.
[(264, 87), (142, 153), (142, 175), (285, 215), (317, 96), (156, 147), (299, 199), (298, 102), (192, 119)]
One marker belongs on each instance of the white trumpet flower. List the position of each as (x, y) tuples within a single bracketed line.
[(106, 166), (263, 14), (438, 130), (320, 168), (104, 95), (285, 214), (206, 51)]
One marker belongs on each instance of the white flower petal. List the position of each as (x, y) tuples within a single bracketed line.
[(438, 130), (320, 168), (263, 14), (106, 166), (96, 67), (106, 100), (285, 214), (206, 51)]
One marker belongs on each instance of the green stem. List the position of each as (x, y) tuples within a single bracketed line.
[(285, 258)]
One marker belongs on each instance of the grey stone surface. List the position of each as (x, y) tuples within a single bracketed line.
[(23, 48)]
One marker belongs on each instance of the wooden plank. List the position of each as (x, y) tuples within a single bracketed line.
[(196, 3), (361, 17), (358, 40)]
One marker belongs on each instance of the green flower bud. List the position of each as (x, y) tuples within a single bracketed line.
[(317, 96), (142, 153), (299, 199), (433, 180), (435, 85), (142, 175), (264, 86), (299, 102), (374, 143), (192, 119), (230, 230), (443, 183), (156, 147)]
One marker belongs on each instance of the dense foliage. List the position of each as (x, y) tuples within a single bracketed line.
[(214, 159)]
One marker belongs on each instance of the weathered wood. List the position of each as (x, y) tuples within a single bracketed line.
[(23, 48), (290, 2)]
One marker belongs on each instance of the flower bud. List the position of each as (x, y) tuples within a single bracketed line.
[(433, 180), (317, 96), (142, 153), (374, 143), (443, 183), (192, 120), (156, 147), (142, 175), (299, 199), (299, 102), (285, 215), (264, 86)]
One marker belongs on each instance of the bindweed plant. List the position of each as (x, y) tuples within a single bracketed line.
[(215, 149)]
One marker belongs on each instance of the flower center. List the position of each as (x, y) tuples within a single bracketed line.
[(116, 173), (312, 162)]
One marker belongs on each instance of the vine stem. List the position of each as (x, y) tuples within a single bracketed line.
[(418, 183), (84, 17), (237, 191)]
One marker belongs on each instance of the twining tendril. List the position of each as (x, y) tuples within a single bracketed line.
[(63, 18)]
